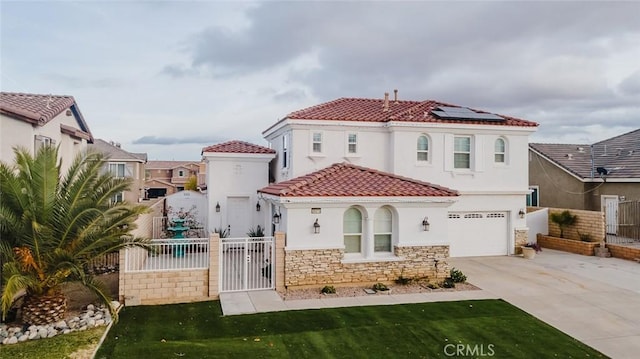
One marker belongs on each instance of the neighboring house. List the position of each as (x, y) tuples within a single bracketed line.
[(582, 176), (124, 164), (482, 156), (236, 170), (32, 120), (168, 177)]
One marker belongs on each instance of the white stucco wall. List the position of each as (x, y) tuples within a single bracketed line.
[(393, 149), (297, 221), (15, 132), (236, 175)]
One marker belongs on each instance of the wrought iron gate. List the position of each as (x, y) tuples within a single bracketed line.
[(246, 264)]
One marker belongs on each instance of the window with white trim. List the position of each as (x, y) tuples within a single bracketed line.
[(533, 197), (352, 230), (117, 170), (352, 143), (285, 149), (462, 152), (500, 149), (383, 229), (41, 141), (423, 148), (317, 142)]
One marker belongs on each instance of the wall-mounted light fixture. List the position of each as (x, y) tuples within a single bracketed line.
[(521, 213), (425, 224), (258, 206), (276, 218), (218, 207), (316, 227)]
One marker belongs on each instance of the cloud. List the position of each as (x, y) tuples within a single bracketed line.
[(631, 85), (155, 140), (86, 82)]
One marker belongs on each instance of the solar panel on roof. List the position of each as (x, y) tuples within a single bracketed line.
[(463, 113)]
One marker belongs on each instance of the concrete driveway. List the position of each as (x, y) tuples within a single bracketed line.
[(595, 300)]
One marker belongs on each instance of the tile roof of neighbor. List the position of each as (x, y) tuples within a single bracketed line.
[(116, 153), (167, 165), (238, 147), (620, 155), (347, 180), (372, 110), (38, 109)]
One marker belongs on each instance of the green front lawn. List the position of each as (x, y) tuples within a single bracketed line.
[(490, 328)]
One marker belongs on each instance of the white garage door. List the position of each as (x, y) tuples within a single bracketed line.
[(478, 234)]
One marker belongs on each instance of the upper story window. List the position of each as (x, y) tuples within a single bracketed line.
[(181, 173), (285, 150), (462, 152), (117, 169), (317, 142), (423, 148), (352, 143), (41, 141), (499, 151)]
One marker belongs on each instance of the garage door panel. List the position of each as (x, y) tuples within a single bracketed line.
[(478, 234)]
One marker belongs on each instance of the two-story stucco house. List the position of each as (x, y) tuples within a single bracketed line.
[(371, 189), (124, 164), (31, 121), (168, 177)]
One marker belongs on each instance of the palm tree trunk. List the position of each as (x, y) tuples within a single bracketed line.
[(44, 309)]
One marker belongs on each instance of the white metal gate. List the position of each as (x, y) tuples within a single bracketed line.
[(246, 264)]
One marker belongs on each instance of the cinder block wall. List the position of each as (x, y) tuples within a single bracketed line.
[(170, 286), (324, 266), (588, 222)]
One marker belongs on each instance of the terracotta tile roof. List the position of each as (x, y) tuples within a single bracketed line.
[(168, 165), (238, 147), (371, 110), (39, 109), (116, 153), (620, 155), (347, 180)]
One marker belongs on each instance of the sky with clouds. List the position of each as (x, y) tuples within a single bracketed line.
[(171, 77)]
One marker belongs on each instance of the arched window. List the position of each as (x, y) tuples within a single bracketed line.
[(382, 228), (423, 148), (352, 230), (499, 151)]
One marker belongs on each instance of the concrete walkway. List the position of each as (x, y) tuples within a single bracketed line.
[(595, 300)]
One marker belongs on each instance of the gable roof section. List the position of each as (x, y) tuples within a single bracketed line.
[(40, 109), (238, 147), (347, 180), (373, 110), (116, 153), (169, 165), (619, 155)]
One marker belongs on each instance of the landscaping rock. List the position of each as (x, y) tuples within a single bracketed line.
[(12, 340), (23, 338), (33, 335)]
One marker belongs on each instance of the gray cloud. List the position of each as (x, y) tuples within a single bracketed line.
[(156, 140), (631, 85)]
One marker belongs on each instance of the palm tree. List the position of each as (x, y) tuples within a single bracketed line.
[(52, 227)]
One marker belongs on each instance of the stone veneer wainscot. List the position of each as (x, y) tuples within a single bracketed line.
[(316, 267)]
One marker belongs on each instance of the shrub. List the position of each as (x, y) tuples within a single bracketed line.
[(448, 283), (404, 280), (433, 286), (256, 232), (534, 245), (585, 237), (328, 289), (380, 287), (224, 233), (563, 220), (457, 276)]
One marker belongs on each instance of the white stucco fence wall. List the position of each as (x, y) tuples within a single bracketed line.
[(538, 222)]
